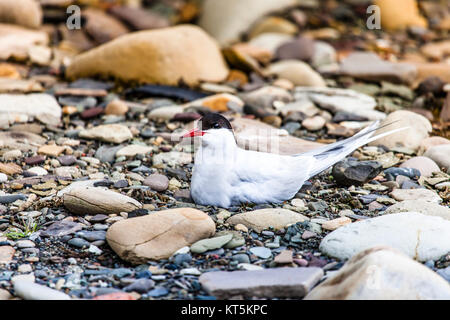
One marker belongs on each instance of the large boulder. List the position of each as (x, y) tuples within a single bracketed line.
[(382, 273), (164, 56), (159, 234), (440, 154), (419, 236)]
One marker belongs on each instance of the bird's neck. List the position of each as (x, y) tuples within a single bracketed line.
[(220, 149)]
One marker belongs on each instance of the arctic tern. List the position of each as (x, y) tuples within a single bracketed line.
[(226, 175)]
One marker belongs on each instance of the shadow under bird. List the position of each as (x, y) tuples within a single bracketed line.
[(226, 175)]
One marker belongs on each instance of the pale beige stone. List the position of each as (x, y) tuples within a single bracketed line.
[(159, 234), (162, 56), (382, 273)]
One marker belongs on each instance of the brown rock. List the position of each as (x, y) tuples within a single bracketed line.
[(116, 107), (139, 18), (400, 14), (284, 257), (436, 50), (425, 70), (158, 235), (163, 56), (157, 182), (268, 283), (6, 254), (103, 27), (336, 223), (10, 168), (51, 150), (27, 13)]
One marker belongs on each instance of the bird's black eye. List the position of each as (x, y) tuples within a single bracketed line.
[(216, 125)]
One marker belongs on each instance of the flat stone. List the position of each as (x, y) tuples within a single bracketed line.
[(421, 206), (419, 236), (51, 150), (210, 244), (158, 235), (133, 150), (98, 201), (33, 104), (61, 228), (368, 66), (381, 273), (115, 133), (298, 72), (343, 100), (261, 252), (413, 194), (268, 283), (262, 219), (336, 223), (33, 291)]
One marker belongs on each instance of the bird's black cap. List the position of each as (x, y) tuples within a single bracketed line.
[(214, 121)]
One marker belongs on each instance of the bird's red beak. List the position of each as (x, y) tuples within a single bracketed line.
[(194, 133)]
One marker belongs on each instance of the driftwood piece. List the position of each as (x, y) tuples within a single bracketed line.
[(91, 200)]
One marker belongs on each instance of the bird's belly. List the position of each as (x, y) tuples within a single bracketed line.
[(209, 189)]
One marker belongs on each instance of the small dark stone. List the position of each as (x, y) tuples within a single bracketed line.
[(79, 243), (137, 213), (346, 116), (140, 285), (121, 184), (392, 173), (183, 195), (186, 116), (99, 218), (103, 183), (92, 235), (91, 112), (158, 292), (301, 48), (318, 206), (12, 197), (34, 160), (432, 85), (147, 133), (67, 160), (179, 259), (353, 172)]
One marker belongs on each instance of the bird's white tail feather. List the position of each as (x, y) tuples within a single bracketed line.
[(339, 150)]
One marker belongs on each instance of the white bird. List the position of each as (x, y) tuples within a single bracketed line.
[(225, 175)]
